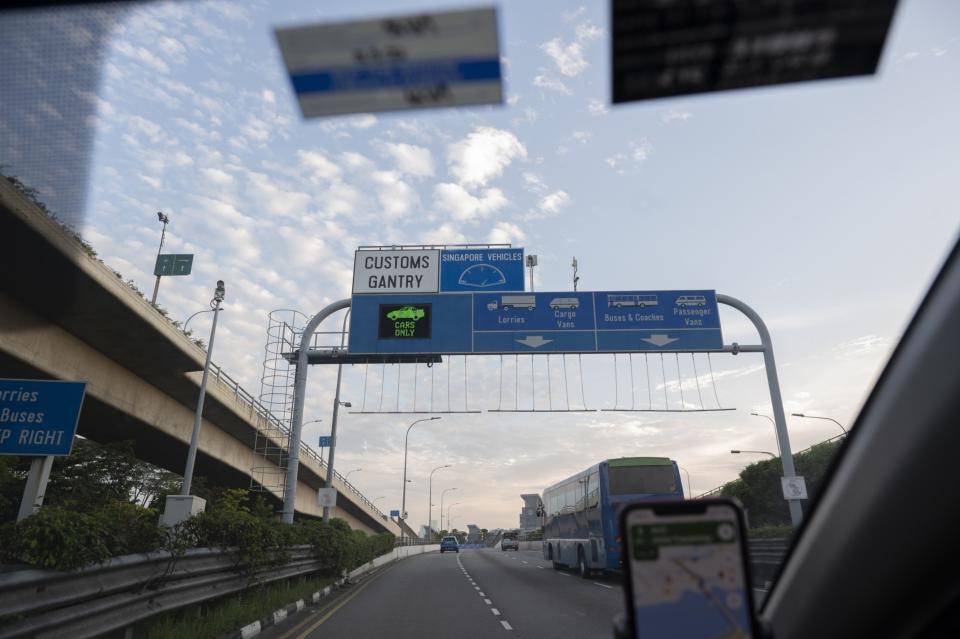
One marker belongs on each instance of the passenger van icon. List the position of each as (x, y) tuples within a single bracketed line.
[(691, 300)]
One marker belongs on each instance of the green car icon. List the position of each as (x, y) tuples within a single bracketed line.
[(407, 312)]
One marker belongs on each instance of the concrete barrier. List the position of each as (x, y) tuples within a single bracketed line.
[(398, 553)]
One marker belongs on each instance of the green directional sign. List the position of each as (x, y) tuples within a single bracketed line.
[(405, 321), (173, 264)]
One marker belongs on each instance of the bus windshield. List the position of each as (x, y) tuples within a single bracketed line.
[(635, 480)]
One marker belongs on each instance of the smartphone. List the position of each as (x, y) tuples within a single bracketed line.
[(686, 571)]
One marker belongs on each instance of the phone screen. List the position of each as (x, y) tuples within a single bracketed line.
[(687, 573)]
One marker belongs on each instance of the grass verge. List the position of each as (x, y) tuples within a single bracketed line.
[(229, 614)]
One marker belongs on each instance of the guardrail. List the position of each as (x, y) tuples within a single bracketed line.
[(766, 555), (256, 409), (125, 590)]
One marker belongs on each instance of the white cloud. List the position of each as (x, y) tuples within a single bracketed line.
[(641, 150), (363, 121), (356, 161), (569, 56), (582, 136), (410, 159), (173, 49), (456, 200), (444, 234), (534, 183), (596, 107), (675, 115), (395, 196), (545, 81), (142, 55), (152, 181), (506, 233), (483, 155), (553, 202), (318, 164), (268, 96), (221, 178)]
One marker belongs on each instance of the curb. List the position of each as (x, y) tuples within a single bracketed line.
[(275, 617)]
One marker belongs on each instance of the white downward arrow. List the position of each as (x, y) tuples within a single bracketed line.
[(660, 340), (534, 341)]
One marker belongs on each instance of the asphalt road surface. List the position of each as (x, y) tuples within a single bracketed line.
[(471, 594)]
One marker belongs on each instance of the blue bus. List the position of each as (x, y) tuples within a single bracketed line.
[(581, 512)]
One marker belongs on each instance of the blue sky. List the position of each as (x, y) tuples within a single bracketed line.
[(826, 206)]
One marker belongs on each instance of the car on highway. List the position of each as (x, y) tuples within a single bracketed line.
[(407, 312), (449, 543), (510, 541)]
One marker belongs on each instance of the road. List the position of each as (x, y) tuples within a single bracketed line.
[(473, 594)]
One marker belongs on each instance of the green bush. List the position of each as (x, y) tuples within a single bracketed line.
[(57, 538), (129, 528)]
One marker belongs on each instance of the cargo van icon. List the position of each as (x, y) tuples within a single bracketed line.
[(564, 302)]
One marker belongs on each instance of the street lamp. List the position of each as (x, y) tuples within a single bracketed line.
[(689, 483), (448, 512), (531, 262), (333, 422), (374, 502), (757, 452), (346, 477), (403, 500), (176, 514), (206, 310), (826, 418), (163, 220), (430, 499), (441, 505)]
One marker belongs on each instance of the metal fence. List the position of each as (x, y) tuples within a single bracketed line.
[(125, 590), (257, 410)]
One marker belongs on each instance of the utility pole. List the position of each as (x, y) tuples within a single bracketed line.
[(156, 287), (333, 421), (576, 278)]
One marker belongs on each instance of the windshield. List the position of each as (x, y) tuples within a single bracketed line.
[(642, 479), (328, 284)]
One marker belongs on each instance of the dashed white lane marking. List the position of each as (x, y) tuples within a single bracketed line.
[(496, 612), (539, 566), (524, 561), (563, 574), (603, 585)]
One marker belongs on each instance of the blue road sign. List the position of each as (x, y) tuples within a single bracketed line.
[(657, 321), (393, 323), (394, 513), (521, 322), (325, 441), (39, 417), (477, 270)]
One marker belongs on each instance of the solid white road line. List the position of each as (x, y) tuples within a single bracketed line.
[(603, 585), (563, 574)]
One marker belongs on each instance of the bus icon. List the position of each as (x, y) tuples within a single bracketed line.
[(641, 301)]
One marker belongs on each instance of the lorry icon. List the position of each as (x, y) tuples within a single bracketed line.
[(507, 302)]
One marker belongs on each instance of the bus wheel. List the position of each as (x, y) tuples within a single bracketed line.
[(582, 565)]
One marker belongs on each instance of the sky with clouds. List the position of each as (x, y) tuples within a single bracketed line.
[(827, 207)]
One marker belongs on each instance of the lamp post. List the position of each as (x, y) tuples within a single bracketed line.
[(346, 477), (531, 262), (403, 500), (163, 234), (430, 499), (757, 452), (206, 310), (457, 503), (447, 490), (333, 420), (218, 296), (829, 419)]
